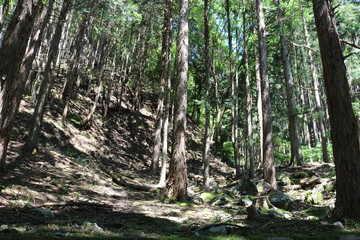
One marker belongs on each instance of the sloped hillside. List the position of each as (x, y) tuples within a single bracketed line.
[(94, 182)]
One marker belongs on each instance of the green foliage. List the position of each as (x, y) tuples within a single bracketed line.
[(228, 153), (314, 154), (208, 196), (282, 151), (352, 223), (314, 197)]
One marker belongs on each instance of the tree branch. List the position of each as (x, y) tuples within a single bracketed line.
[(350, 43)]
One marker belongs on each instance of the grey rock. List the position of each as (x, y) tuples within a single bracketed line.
[(273, 213), (338, 225), (284, 180), (245, 201), (45, 213), (92, 227), (218, 229), (4, 226), (282, 200), (246, 186)]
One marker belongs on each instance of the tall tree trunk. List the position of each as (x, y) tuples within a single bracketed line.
[(87, 120), (296, 153), (206, 150), (165, 57), (345, 133), (259, 105), (64, 40), (176, 186), (73, 64), (248, 97), (269, 165), (154, 167), (234, 95), (109, 84), (167, 94), (303, 102), (31, 145), (12, 52), (27, 74), (318, 109)]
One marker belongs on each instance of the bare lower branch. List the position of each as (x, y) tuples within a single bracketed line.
[(350, 43)]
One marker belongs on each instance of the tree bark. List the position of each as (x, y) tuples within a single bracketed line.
[(269, 165), (318, 108), (345, 133), (31, 145), (234, 95), (176, 186), (87, 120), (250, 144), (296, 153), (154, 167), (167, 94), (75, 57), (12, 52), (259, 104), (206, 141), (109, 83)]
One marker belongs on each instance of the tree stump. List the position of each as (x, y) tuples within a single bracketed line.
[(252, 212)]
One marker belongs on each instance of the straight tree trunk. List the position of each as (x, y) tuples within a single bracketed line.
[(259, 105), (269, 165), (167, 94), (110, 84), (176, 186), (320, 119), (345, 133), (206, 151), (27, 74), (303, 101), (234, 95), (87, 120), (31, 144), (250, 144), (154, 167), (64, 41), (12, 53), (296, 153), (73, 64)]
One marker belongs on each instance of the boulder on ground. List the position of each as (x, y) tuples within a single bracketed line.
[(246, 200), (246, 187), (283, 179), (44, 213), (317, 213), (281, 200), (279, 213)]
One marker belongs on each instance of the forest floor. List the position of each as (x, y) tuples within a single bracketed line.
[(69, 190)]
